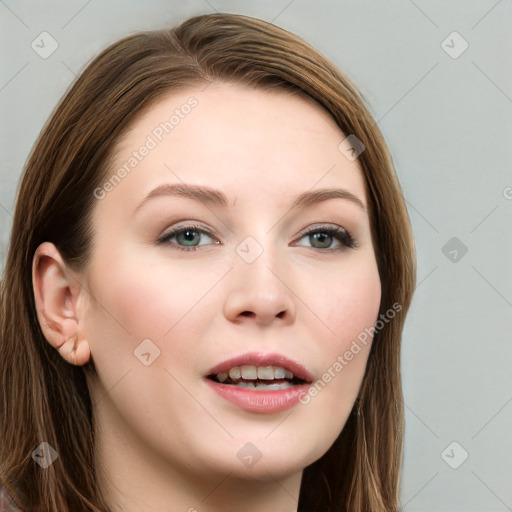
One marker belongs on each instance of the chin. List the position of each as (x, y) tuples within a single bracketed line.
[(266, 463)]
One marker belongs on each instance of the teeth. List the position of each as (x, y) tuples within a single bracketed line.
[(235, 373), (245, 384), (261, 385), (284, 385), (249, 372), (266, 373), (222, 376), (279, 373)]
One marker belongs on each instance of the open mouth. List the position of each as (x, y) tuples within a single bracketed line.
[(258, 377)]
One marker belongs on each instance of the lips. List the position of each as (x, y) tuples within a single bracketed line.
[(260, 383)]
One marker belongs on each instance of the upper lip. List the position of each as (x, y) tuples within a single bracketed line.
[(262, 359)]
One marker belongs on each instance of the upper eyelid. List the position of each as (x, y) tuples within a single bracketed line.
[(302, 232), (191, 226), (325, 227), (320, 226)]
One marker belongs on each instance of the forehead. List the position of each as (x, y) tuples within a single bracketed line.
[(250, 143)]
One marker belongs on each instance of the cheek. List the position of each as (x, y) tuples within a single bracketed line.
[(350, 311), (148, 299), (352, 303), (138, 300)]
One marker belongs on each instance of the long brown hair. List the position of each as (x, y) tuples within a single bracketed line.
[(43, 398)]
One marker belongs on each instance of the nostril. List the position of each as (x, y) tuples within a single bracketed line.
[(247, 313), (281, 314)]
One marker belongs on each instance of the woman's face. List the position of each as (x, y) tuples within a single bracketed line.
[(217, 242)]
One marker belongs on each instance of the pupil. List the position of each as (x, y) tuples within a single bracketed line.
[(323, 240)]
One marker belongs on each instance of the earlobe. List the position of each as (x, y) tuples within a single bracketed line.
[(75, 350), (56, 293)]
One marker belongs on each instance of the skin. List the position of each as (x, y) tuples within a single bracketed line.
[(163, 437)]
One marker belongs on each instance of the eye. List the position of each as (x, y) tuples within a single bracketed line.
[(330, 238), (187, 238)]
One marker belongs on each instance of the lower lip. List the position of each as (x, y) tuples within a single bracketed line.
[(260, 401)]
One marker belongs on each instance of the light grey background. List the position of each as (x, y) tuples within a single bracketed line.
[(448, 122)]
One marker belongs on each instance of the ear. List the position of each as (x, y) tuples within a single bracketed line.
[(56, 293)]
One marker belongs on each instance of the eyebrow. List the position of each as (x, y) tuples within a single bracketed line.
[(199, 193), (316, 196), (215, 197)]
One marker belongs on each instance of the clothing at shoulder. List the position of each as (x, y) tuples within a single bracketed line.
[(7, 503)]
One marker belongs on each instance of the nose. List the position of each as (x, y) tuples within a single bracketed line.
[(259, 293)]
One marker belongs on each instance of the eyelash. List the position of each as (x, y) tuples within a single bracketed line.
[(342, 235)]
